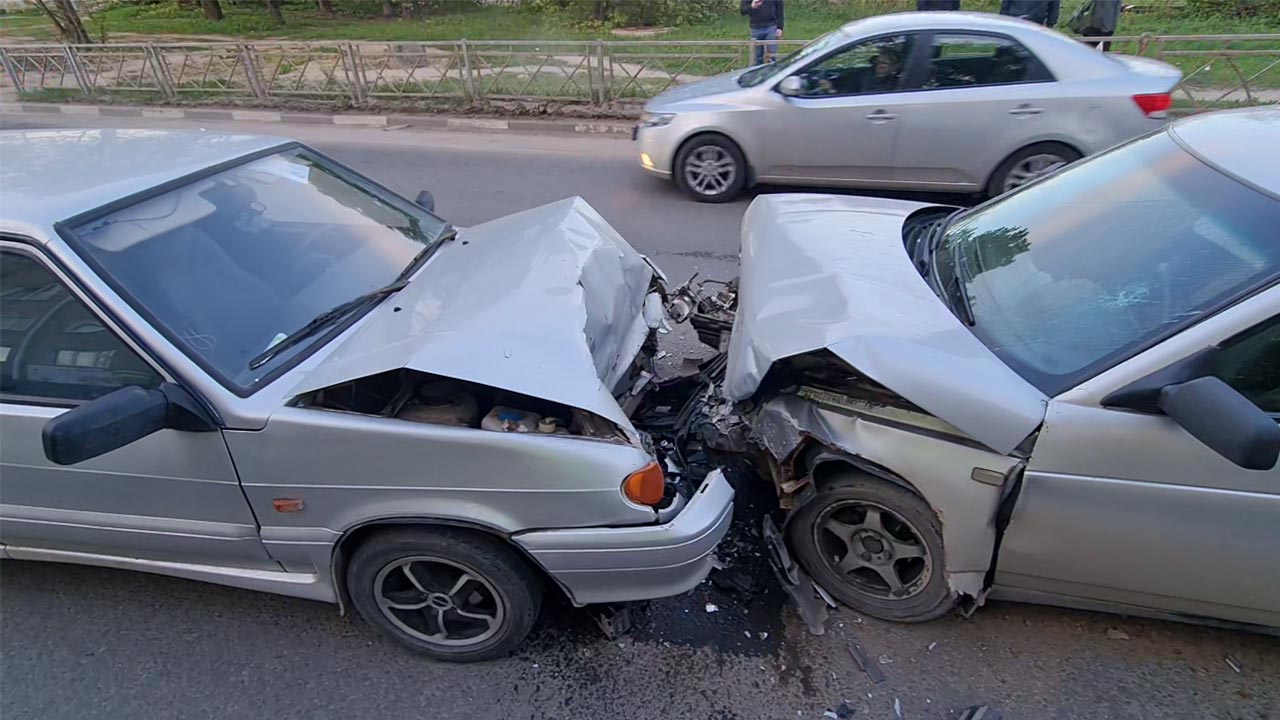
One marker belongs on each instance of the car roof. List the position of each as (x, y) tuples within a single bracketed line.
[(50, 175), (940, 20), (1234, 142)]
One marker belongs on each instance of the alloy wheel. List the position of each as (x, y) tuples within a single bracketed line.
[(710, 170), (1030, 168), (439, 601), (874, 549)]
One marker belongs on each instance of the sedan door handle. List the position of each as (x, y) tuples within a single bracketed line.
[(881, 116), (1025, 110)]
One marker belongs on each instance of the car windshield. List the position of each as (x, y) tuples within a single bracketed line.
[(821, 46), (230, 264), (1081, 270)]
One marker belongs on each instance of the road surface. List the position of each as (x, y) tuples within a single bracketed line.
[(80, 642)]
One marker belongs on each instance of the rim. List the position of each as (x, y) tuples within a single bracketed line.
[(439, 601), (1031, 168), (710, 170), (873, 549)]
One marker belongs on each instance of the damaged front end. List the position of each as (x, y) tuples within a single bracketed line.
[(838, 362)]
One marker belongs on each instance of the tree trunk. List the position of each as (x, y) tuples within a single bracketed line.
[(273, 7), (325, 6), (388, 9), (212, 9), (63, 15)]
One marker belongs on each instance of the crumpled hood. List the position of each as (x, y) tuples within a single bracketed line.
[(548, 302), (831, 272), (728, 82)]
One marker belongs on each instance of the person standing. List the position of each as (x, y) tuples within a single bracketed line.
[(937, 4), (1044, 12), (1096, 18), (766, 20)]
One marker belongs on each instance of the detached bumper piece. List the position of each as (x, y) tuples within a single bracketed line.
[(604, 565)]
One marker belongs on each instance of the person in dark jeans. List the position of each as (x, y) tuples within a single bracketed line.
[(1044, 12), (1096, 18), (937, 4), (766, 20)]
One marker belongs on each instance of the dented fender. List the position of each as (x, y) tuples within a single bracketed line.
[(938, 469)]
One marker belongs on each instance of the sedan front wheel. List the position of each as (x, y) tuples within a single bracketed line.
[(711, 169), (449, 594)]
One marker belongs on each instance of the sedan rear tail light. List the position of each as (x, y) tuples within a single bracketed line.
[(1154, 105)]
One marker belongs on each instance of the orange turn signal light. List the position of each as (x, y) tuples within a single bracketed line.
[(645, 485)]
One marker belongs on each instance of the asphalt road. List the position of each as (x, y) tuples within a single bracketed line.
[(80, 642)]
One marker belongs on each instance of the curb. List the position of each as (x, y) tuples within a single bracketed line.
[(617, 128)]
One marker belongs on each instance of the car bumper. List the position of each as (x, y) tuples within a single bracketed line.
[(603, 565), (655, 149)]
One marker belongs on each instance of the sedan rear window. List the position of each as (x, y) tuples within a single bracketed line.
[(1087, 267)]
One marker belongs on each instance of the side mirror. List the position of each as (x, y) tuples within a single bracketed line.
[(426, 201), (1224, 420), (791, 86), (118, 419)]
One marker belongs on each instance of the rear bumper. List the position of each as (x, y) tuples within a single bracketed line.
[(602, 565)]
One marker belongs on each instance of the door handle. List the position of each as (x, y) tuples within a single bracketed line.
[(1026, 110), (881, 116)]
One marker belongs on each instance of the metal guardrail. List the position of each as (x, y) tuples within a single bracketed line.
[(1219, 70)]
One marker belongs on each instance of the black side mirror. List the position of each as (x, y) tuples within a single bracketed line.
[(118, 419), (426, 201), (1224, 420)]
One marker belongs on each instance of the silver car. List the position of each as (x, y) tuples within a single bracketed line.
[(1067, 395), (953, 102), (229, 358)]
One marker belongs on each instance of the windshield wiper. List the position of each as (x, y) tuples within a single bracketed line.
[(324, 319), (960, 302)]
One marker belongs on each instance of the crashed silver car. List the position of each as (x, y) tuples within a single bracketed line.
[(1067, 395), (230, 358)]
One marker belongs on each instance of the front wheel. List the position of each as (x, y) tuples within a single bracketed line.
[(1028, 164), (449, 594), (711, 169), (875, 546)]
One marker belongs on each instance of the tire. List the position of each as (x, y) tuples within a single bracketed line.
[(1049, 156), (488, 615), (904, 519), (706, 151)]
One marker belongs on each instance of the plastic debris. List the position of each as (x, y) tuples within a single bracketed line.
[(763, 636), (747, 633), (886, 660), (1234, 664), (831, 714), (1117, 634), (865, 665), (897, 708), (980, 712), (712, 607), (734, 580), (932, 645)]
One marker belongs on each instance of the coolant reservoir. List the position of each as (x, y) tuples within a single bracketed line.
[(507, 419)]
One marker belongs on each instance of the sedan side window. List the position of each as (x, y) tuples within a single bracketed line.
[(1251, 365), (871, 66), (52, 345), (958, 60)]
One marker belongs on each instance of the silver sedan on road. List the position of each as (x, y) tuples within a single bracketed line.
[(953, 102), (230, 358)]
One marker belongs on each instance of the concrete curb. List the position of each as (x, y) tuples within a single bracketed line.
[(617, 128)]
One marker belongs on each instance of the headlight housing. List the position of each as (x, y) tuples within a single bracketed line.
[(655, 120)]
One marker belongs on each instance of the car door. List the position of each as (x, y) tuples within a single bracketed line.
[(842, 127), (969, 101), (172, 496), (1127, 508)]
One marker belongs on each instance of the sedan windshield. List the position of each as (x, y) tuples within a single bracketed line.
[(821, 46), (232, 263), (1087, 267)]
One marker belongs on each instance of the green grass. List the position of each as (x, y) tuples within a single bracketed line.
[(806, 19)]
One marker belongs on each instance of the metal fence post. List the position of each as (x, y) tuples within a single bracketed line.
[(161, 69), (468, 80), (251, 72), (12, 70), (78, 71), (602, 95), (355, 72)]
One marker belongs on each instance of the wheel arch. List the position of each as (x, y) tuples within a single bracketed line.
[(360, 533), (1049, 140)]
